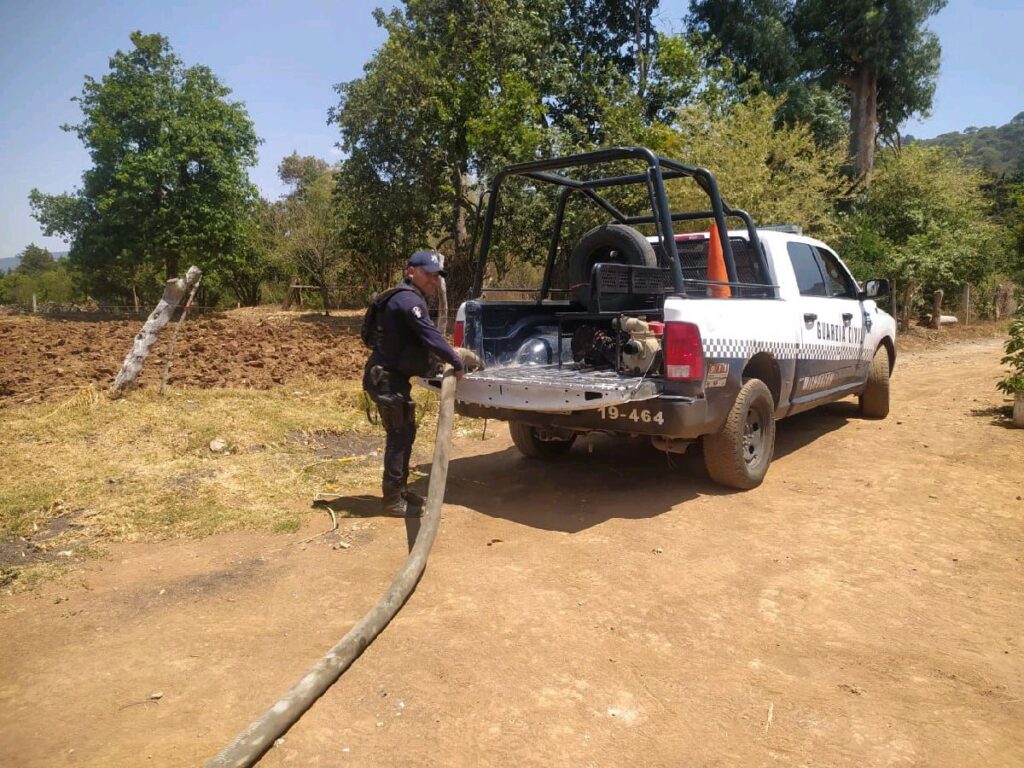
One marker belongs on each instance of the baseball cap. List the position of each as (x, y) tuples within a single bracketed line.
[(428, 260)]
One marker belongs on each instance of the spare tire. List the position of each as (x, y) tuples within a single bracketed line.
[(609, 243)]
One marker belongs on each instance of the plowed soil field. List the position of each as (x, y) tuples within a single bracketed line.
[(44, 357)]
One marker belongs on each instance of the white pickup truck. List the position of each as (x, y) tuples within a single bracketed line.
[(646, 339)]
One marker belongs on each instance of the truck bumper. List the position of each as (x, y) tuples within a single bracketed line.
[(671, 417), (553, 389)]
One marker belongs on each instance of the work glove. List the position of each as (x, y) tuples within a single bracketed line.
[(470, 360)]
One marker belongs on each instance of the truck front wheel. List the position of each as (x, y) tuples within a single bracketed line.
[(529, 443), (738, 455), (874, 400)]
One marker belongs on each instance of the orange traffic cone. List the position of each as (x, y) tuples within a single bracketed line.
[(716, 266)]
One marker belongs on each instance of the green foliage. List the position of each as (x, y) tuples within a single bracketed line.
[(449, 96), (1013, 382), (810, 48), (841, 38), (776, 172), (52, 285), (925, 221), (34, 260), (313, 245), (996, 149), (168, 184)]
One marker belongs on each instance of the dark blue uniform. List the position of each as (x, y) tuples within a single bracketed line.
[(405, 340)]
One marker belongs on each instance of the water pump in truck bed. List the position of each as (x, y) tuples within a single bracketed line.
[(631, 345)]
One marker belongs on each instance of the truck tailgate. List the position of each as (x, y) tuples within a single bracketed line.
[(548, 388)]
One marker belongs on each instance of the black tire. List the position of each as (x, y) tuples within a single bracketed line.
[(525, 438), (738, 455), (610, 243), (874, 400)]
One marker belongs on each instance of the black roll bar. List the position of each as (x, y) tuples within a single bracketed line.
[(658, 170)]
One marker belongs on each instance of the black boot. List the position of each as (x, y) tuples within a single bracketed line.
[(413, 499), (395, 505)]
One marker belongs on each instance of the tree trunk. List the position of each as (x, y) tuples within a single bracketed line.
[(171, 262), (863, 119), (325, 295), (908, 303), (460, 275), (937, 309)]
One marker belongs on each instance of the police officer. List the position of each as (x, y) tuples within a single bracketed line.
[(402, 338)]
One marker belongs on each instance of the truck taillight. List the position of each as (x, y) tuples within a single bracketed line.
[(459, 334), (684, 353)]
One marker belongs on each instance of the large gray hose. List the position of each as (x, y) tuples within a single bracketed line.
[(250, 745)]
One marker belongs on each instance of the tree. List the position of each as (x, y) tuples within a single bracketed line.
[(451, 94), (925, 223), (601, 47), (168, 181), (34, 260), (877, 50), (311, 241), (776, 172), (301, 171)]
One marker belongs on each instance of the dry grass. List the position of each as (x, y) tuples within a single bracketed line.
[(91, 470)]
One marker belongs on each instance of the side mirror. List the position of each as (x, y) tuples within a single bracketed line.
[(876, 289)]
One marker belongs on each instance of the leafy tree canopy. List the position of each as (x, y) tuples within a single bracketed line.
[(168, 181), (879, 52), (925, 221), (996, 149), (34, 260)]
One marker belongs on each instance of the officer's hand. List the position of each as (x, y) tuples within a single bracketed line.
[(470, 360)]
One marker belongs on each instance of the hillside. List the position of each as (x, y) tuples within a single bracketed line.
[(11, 263), (1000, 150)]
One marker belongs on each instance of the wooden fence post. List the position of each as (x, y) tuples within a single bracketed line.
[(937, 309), (965, 303), (174, 291), (442, 302)]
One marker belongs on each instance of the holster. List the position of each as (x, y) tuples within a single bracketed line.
[(396, 411)]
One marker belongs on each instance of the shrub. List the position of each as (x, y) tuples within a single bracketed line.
[(1013, 382)]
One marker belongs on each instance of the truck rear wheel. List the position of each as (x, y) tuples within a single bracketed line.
[(874, 400), (738, 455), (529, 443)]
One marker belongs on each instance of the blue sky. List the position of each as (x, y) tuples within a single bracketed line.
[(282, 60)]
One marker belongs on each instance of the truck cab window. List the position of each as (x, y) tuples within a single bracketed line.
[(841, 284), (809, 279)]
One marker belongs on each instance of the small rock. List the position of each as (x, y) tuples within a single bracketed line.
[(380, 724), (657, 550), (65, 553), (279, 742), (156, 696), (218, 445)]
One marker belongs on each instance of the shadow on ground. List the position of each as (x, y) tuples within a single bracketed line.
[(605, 477)]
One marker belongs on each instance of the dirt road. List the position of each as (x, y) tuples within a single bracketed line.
[(862, 608)]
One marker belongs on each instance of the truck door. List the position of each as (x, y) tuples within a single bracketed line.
[(843, 293), (831, 322)]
